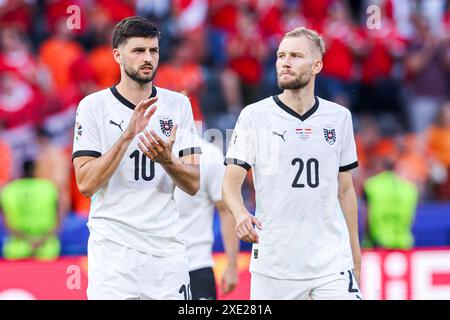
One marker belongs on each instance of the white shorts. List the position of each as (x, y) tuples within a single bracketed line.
[(339, 286), (116, 272)]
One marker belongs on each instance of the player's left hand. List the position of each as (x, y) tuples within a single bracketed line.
[(156, 148), (229, 280)]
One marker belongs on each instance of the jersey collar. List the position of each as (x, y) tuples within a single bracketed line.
[(308, 114), (125, 101)]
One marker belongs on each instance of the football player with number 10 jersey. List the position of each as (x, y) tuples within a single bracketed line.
[(133, 144)]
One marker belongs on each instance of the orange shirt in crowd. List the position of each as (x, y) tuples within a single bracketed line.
[(368, 155), (411, 163), (106, 69), (58, 56), (187, 78), (412, 167), (439, 143)]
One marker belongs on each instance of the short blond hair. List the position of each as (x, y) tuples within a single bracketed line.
[(311, 35)]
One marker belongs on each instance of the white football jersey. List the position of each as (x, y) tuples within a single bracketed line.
[(197, 212), (296, 160), (135, 207)]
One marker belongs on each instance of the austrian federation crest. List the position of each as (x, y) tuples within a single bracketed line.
[(330, 135), (166, 126)]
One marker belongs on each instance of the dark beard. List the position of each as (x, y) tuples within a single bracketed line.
[(294, 85), (134, 74)]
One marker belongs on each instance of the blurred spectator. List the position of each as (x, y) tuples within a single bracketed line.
[(32, 218), (58, 53), (223, 21), (427, 66), (212, 101), (381, 87), (155, 10), (60, 116), (246, 52), (6, 161), (83, 78), (190, 18), (18, 13), (400, 12), (270, 16), (182, 74), (411, 163), (293, 17), (20, 101), (105, 69), (391, 207), (190, 14), (117, 9), (18, 139), (223, 14), (372, 145), (81, 84), (53, 164), (316, 11), (96, 31), (438, 141), (16, 56), (343, 44), (434, 11), (56, 11)]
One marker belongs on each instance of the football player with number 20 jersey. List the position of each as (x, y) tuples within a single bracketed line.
[(301, 150)]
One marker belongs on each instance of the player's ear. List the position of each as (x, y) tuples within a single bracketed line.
[(317, 66), (117, 55)]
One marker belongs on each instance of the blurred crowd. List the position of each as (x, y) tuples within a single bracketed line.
[(388, 64)]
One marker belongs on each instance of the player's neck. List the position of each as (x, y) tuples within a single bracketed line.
[(301, 100), (133, 91)]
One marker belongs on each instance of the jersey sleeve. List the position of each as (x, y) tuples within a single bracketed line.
[(214, 172), (241, 150), (187, 140), (348, 157), (86, 141)]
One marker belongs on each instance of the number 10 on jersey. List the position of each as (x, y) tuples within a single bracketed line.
[(140, 166)]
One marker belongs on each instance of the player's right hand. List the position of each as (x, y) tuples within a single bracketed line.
[(140, 118), (245, 228)]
